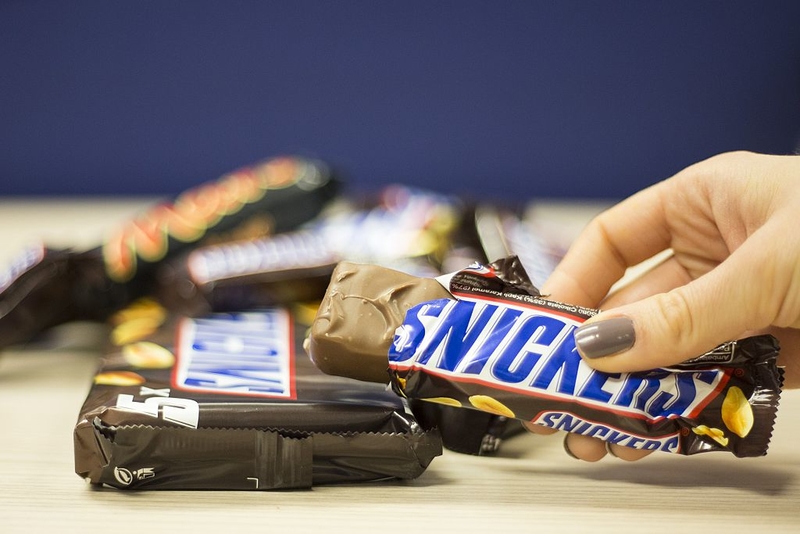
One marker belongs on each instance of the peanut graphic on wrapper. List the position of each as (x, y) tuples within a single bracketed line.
[(737, 414), (133, 330), (119, 378), (486, 403), (142, 308), (137, 321), (714, 433), (402, 383), (148, 355), (447, 401)]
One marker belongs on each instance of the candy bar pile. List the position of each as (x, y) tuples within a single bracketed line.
[(270, 331), (206, 382)]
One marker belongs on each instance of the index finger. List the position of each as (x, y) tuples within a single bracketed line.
[(620, 237)]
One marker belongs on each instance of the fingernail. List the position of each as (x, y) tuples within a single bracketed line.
[(605, 337)]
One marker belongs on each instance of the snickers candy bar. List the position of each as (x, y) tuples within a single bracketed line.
[(511, 354), (356, 321), (228, 401), (493, 344), (281, 269)]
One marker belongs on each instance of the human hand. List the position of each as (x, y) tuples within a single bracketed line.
[(732, 223)]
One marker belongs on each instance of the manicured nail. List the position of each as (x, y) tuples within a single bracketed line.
[(602, 338)]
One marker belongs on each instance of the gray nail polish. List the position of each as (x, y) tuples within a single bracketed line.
[(605, 337)]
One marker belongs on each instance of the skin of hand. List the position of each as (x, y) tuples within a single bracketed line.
[(732, 223)]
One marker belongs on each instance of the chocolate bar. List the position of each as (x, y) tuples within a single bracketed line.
[(357, 318), (269, 198), (363, 306), (502, 351), (281, 269), (229, 401), (48, 287)]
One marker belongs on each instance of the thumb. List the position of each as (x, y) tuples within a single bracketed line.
[(672, 327)]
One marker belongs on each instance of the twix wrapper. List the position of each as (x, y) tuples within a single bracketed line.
[(498, 348)]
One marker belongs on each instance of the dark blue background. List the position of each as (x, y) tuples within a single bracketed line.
[(507, 100)]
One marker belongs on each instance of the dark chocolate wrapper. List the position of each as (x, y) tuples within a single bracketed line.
[(513, 354), (229, 401), (49, 287)]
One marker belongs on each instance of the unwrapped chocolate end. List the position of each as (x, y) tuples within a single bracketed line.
[(359, 313)]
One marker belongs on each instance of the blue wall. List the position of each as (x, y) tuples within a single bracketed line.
[(506, 100)]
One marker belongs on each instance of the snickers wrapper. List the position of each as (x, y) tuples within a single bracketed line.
[(230, 401), (502, 350)]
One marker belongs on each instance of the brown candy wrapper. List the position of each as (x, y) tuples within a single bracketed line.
[(230, 401), (499, 349)]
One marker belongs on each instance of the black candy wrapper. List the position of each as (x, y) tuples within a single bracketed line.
[(230, 401)]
